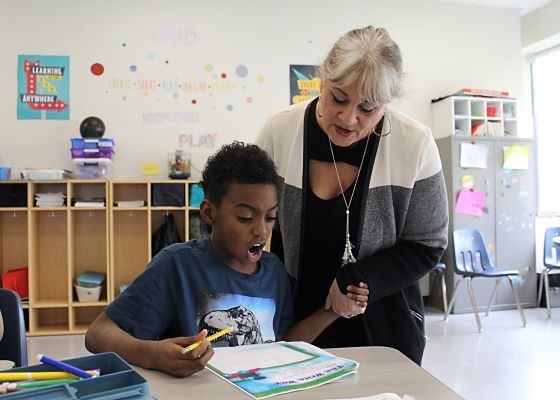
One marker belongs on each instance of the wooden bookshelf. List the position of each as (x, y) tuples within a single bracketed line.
[(59, 243)]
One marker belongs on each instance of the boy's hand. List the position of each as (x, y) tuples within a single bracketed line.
[(168, 355), (358, 293), (350, 304)]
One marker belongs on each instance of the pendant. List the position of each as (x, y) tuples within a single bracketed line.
[(347, 256)]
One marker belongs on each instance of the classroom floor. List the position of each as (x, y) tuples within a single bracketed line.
[(507, 361)]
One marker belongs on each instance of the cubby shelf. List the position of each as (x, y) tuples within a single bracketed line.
[(475, 116), (57, 244)]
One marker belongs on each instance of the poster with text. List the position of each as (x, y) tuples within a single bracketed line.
[(305, 83), (43, 87)]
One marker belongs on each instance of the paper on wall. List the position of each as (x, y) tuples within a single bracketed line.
[(473, 155), (516, 157), (470, 202)]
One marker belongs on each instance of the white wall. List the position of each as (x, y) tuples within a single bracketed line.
[(540, 29), (445, 47)]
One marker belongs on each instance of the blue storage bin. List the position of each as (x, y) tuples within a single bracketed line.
[(91, 278), (93, 143), (196, 195), (118, 380)]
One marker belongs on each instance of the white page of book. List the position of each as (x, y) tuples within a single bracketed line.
[(248, 357)]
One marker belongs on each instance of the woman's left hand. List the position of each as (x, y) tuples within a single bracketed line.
[(350, 304)]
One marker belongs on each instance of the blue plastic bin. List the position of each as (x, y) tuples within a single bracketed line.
[(93, 143), (118, 380)]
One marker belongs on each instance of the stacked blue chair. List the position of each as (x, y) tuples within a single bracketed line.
[(551, 257)]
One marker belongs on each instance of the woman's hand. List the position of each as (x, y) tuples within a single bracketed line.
[(350, 304)]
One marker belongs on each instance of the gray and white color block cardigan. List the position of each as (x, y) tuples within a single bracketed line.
[(404, 217)]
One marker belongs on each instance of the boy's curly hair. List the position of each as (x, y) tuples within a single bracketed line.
[(237, 162)]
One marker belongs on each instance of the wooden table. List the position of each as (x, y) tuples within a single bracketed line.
[(381, 370)]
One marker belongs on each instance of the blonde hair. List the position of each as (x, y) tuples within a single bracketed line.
[(370, 57)]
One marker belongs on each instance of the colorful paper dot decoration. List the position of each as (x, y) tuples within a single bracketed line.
[(124, 45), (97, 69), (133, 68), (223, 75), (193, 101), (229, 107), (241, 71), (208, 68), (260, 79), (167, 61), (249, 99)]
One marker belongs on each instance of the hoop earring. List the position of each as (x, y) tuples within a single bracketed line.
[(390, 128), (317, 108)]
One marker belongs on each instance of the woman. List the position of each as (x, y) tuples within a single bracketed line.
[(363, 197)]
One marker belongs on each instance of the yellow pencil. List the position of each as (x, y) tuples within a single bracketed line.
[(39, 375), (209, 338)]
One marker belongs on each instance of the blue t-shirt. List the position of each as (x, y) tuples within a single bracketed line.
[(187, 287)]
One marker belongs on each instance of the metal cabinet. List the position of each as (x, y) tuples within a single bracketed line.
[(507, 218)]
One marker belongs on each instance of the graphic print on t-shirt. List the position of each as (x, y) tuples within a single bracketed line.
[(250, 317)]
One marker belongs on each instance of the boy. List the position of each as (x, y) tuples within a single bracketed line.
[(206, 285)]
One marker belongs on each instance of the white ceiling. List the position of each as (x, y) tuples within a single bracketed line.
[(524, 6)]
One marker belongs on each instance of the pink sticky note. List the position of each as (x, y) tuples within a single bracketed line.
[(470, 202)]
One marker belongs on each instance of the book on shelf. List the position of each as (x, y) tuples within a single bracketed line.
[(495, 129), (93, 202), (269, 369), (50, 199), (490, 128), (479, 130), (483, 92), (130, 203)]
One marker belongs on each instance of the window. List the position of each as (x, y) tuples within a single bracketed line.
[(545, 71)]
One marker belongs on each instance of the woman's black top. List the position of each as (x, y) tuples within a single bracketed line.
[(324, 238)]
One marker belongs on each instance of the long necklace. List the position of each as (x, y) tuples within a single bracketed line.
[(347, 256)]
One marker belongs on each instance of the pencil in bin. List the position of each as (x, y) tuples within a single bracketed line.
[(40, 375)]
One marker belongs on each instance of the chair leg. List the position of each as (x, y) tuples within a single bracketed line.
[(493, 296), (541, 283), (450, 306), (517, 300), (473, 302), (444, 292), (546, 288)]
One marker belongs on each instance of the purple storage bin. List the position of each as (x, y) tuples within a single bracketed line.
[(102, 152)]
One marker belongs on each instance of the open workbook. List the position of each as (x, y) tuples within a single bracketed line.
[(264, 370)]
